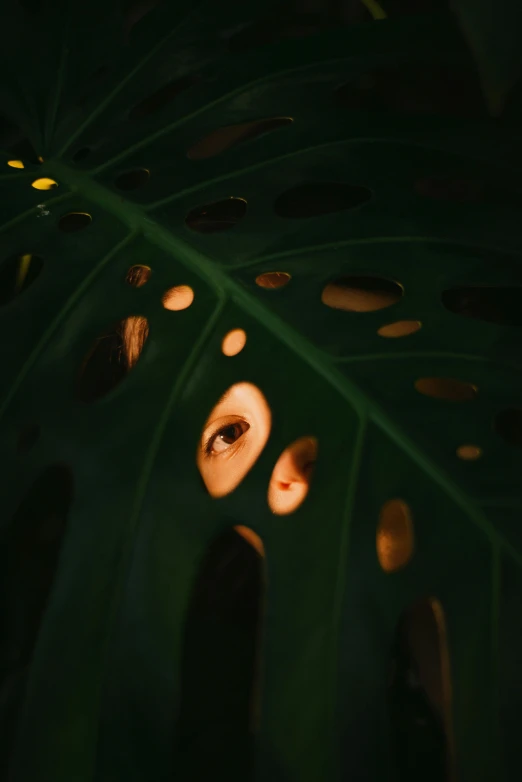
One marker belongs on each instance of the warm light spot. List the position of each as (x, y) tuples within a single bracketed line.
[(251, 537), (138, 275), (469, 453), (15, 163), (446, 388), (401, 328), (178, 298), (40, 160), (233, 437), (234, 342), (291, 476), (44, 183), (361, 294), (394, 536), (273, 279), (222, 139)]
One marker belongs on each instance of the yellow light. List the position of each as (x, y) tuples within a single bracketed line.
[(44, 183), (15, 163)]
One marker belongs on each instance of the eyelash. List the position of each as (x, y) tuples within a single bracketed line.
[(210, 440)]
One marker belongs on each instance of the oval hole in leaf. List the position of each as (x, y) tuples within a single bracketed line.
[(31, 6), (420, 695), (224, 615), (354, 293), (446, 388), (44, 183), (313, 199), (287, 24), (135, 11), (74, 221), (415, 88), (450, 189), (395, 537), (219, 216), (81, 154), (161, 97), (508, 424), (290, 480), (233, 437), (469, 453), (15, 163), (223, 138), (132, 180), (111, 357), (138, 275), (17, 274), (28, 437), (178, 298), (400, 328), (234, 342), (500, 305), (252, 538), (32, 551), (272, 280)]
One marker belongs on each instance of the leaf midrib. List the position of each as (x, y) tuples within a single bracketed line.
[(365, 407)]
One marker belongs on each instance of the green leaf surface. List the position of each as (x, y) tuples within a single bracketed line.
[(443, 211), (492, 30)]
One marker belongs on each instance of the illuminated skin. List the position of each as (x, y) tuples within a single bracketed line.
[(234, 435)]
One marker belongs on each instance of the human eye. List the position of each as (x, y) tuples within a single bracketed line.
[(225, 436)]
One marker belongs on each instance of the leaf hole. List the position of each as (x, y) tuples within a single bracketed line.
[(17, 274), (446, 388), (420, 695), (450, 189), (32, 550), (178, 298), (224, 138), (400, 328), (224, 614), (219, 216), (354, 293), (15, 163), (161, 97), (234, 435), (469, 453), (138, 275), (234, 342), (508, 424), (28, 437), (132, 180), (134, 12), (74, 221), (111, 357), (272, 280), (313, 199), (395, 536), (31, 6), (291, 476), (44, 183), (500, 305), (415, 88)]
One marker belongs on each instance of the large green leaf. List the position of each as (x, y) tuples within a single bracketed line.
[(493, 32), (102, 690)]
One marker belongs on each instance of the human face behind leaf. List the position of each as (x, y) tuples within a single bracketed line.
[(234, 436)]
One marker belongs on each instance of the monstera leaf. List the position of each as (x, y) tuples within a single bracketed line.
[(338, 193)]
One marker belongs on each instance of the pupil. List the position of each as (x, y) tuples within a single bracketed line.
[(229, 435)]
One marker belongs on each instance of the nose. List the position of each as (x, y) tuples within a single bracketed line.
[(291, 476)]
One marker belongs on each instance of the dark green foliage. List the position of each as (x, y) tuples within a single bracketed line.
[(392, 168)]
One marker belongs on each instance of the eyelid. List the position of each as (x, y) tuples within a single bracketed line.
[(217, 426)]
